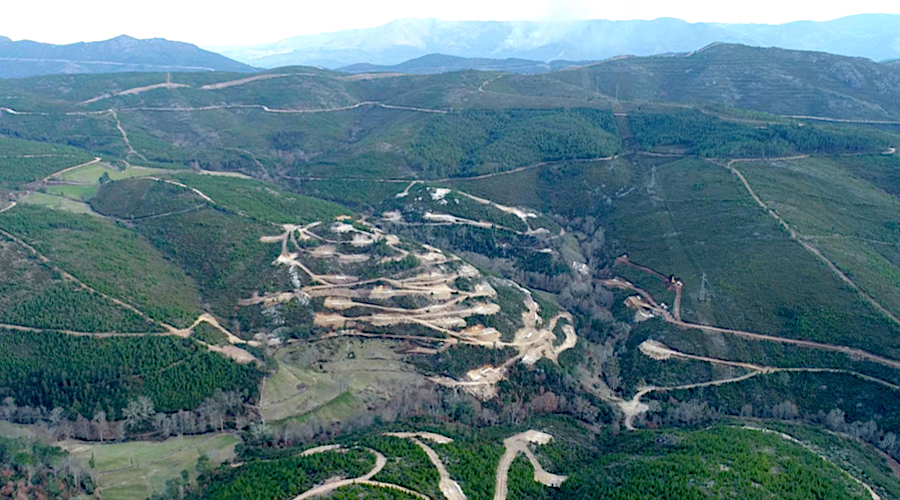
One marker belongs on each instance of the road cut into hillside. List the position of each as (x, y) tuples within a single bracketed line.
[(372, 307)]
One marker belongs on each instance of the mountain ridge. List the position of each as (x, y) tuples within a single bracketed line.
[(123, 53), (867, 35), (741, 76), (442, 63)]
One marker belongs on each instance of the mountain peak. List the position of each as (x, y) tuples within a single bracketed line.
[(122, 53), (4, 39)]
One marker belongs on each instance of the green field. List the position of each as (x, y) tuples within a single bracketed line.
[(78, 193), (135, 471), (65, 204), (90, 174), (327, 379)]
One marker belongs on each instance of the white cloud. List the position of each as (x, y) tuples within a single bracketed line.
[(232, 22)]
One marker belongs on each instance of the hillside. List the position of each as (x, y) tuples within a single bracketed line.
[(776, 81), (27, 58), (870, 36), (440, 63)]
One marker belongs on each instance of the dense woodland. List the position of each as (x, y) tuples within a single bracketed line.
[(708, 136), (23, 161), (283, 477), (31, 469), (83, 376), (484, 141), (108, 257)]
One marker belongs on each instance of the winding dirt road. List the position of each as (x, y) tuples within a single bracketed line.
[(366, 480), (380, 462), (514, 446), (56, 175), (450, 488), (634, 407), (652, 307), (800, 238)]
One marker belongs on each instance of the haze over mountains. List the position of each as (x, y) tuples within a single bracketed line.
[(123, 53), (441, 63), (875, 36)]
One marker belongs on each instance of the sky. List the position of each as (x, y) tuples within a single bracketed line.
[(232, 22)]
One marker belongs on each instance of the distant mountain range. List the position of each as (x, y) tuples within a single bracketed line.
[(123, 53), (441, 63), (875, 36)]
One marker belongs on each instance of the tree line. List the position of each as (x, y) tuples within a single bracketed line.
[(84, 375)]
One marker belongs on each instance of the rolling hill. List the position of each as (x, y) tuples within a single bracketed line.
[(778, 81), (123, 53)]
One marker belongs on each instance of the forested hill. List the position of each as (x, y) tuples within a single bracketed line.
[(764, 79), (123, 53)]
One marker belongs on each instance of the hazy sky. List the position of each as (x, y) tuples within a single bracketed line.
[(230, 22)]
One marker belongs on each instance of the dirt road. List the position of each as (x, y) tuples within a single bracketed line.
[(840, 120), (449, 487), (523, 168), (380, 462), (634, 407), (667, 316), (241, 81), (183, 186), (268, 109), (514, 446), (799, 238), (792, 439), (659, 351), (136, 90), (169, 85), (131, 151)]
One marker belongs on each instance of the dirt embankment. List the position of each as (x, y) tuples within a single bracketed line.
[(352, 305)]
